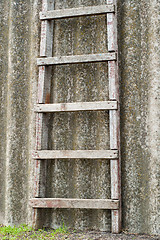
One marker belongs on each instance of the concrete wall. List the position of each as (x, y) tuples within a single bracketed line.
[(139, 56)]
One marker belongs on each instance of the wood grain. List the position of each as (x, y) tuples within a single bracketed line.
[(76, 12), (114, 118), (76, 106), (74, 154), (74, 203), (89, 58)]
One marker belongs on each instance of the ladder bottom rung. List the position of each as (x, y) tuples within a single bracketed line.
[(74, 203)]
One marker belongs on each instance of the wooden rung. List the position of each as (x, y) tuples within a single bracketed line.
[(78, 106), (101, 57), (73, 154), (74, 203), (77, 12)]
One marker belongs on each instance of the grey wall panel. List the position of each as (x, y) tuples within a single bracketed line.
[(139, 58), (139, 67), (17, 109)]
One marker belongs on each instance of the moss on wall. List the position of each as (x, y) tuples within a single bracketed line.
[(138, 33)]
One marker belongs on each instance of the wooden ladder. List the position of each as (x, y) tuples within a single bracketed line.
[(43, 107)]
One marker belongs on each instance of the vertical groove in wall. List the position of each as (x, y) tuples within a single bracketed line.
[(33, 77), (7, 132), (4, 10)]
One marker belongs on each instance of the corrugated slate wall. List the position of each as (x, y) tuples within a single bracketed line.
[(139, 60)]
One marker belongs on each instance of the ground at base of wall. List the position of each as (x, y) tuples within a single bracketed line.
[(93, 235), (26, 232)]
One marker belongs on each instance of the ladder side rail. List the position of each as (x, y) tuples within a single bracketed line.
[(114, 117), (42, 97)]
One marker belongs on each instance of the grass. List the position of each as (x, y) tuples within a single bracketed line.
[(26, 232)]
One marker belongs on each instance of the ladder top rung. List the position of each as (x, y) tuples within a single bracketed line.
[(75, 154), (74, 203), (76, 106), (89, 58), (77, 12)]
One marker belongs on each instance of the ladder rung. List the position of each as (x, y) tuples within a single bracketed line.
[(78, 106), (101, 57), (77, 12), (73, 154), (74, 203)]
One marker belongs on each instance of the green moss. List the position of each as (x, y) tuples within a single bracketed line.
[(27, 232)]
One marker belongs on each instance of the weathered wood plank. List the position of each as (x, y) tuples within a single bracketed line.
[(73, 154), (78, 106), (43, 93), (114, 118), (46, 31), (77, 12), (74, 203), (113, 80), (111, 31), (89, 58), (42, 119)]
